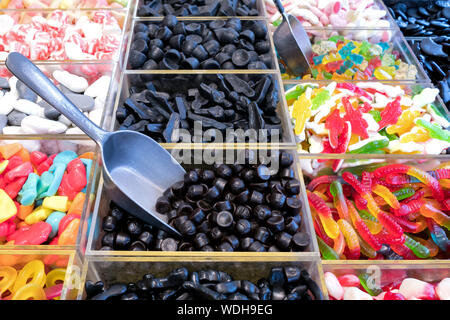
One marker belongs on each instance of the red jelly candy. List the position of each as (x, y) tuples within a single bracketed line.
[(13, 162), (44, 166), (22, 170), (36, 234), (74, 180), (393, 296), (37, 157), (7, 228), (13, 188), (391, 113), (335, 126), (65, 222), (354, 116)]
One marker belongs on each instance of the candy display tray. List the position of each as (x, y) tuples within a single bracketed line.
[(114, 269), (360, 34), (128, 78), (88, 263), (89, 70), (25, 15), (129, 30), (52, 144), (260, 6), (101, 208)]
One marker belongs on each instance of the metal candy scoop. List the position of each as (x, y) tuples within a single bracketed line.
[(292, 43), (136, 169)]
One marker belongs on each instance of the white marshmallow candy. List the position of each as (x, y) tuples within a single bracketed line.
[(443, 289), (71, 81), (353, 293), (413, 288), (333, 286), (38, 125), (12, 130)]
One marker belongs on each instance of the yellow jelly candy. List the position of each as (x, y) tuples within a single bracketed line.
[(384, 73), (331, 57), (55, 276), (57, 203), (30, 292), (38, 214), (34, 270), (301, 113), (404, 123), (8, 275), (7, 206), (417, 134), (3, 165)]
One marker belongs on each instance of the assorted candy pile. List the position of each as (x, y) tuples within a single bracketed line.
[(283, 283), (61, 35), (41, 197), (23, 112), (331, 13), (360, 287), (382, 211), (368, 118), (338, 58), (62, 4), (223, 102), (35, 281), (203, 8)]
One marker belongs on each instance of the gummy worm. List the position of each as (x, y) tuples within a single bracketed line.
[(418, 249), (350, 238), (404, 193), (403, 251), (423, 177), (362, 228), (339, 200), (438, 235), (321, 180), (327, 252), (372, 288), (386, 238), (408, 208), (366, 249), (387, 195), (429, 211), (319, 230), (418, 195), (339, 244), (429, 244), (330, 226), (366, 180), (409, 226), (384, 218)]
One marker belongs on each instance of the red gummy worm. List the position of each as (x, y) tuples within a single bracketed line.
[(366, 179), (320, 180), (410, 207), (397, 179), (387, 238), (320, 206), (390, 169), (353, 181)]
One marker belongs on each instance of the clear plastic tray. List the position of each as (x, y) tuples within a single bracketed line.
[(101, 209), (50, 145), (128, 78), (260, 6), (393, 36), (112, 269)]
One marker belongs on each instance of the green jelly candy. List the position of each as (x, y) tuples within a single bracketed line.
[(434, 130), (314, 73), (371, 147), (376, 115), (419, 250), (369, 284), (387, 135), (336, 38), (404, 193), (326, 251), (320, 99)]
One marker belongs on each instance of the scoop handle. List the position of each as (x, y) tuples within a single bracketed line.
[(279, 6), (33, 77)]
